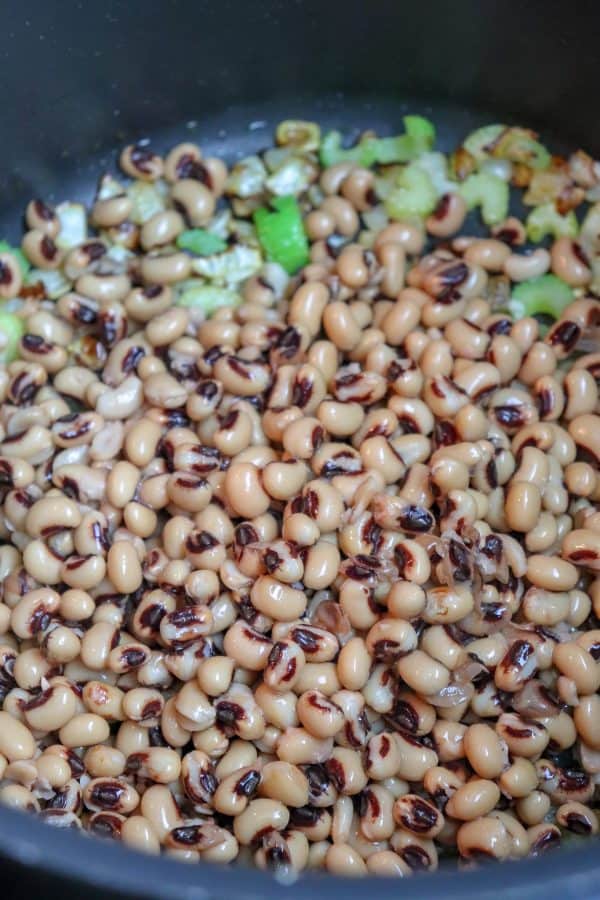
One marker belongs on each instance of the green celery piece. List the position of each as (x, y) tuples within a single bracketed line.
[(12, 329), (490, 193), (208, 298), (414, 195), (201, 242), (477, 142), (332, 152), (419, 136), (24, 263), (546, 295), (518, 146), (545, 220), (281, 233)]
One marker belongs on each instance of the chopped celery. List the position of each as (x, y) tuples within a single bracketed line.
[(281, 233), (480, 142), (24, 263), (414, 195), (73, 225), (518, 145), (436, 166), (12, 328), (490, 193), (332, 152), (292, 177), (54, 281), (247, 178), (234, 265), (146, 200), (208, 298), (546, 220), (305, 136), (419, 137), (200, 242), (546, 295), (108, 187)]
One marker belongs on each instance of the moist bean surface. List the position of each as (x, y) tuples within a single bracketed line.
[(300, 504)]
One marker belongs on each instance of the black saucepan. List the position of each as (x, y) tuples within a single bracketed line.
[(78, 79)]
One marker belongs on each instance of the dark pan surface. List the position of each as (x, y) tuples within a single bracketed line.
[(82, 78)]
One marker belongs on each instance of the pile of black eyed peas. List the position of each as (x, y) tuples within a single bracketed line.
[(300, 505)]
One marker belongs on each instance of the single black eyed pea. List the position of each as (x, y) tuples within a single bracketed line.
[(422, 673), (522, 506), (484, 751), (158, 806), (260, 814), (321, 565), (83, 572), (388, 864), (105, 700), (19, 797), (342, 859), (485, 836), (354, 664), (448, 737), (299, 747), (551, 573), (576, 663), (533, 807), (543, 837), (285, 663), (159, 764), (111, 794), (587, 720), (279, 708), (144, 706), (102, 761), (244, 490), (577, 817), (52, 709), (123, 567), (284, 782), (474, 799), (132, 738), (247, 647), (418, 816), (415, 758), (319, 715), (276, 600), (215, 674), (16, 740), (138, 833), (97, 644), (523, 738), (53, 769), (83, 730)]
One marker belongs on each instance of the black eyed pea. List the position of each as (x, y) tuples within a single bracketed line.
[(83, 730), (284, 782), (111, 794), (260, 814), (299, 747), (52, 709), (342, 859), (418, 816), (16, 740), (485, 836)]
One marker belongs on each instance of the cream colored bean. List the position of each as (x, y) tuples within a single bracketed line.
[(83, 730)]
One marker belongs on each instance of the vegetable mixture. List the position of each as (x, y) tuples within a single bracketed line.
[(300, 501)]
